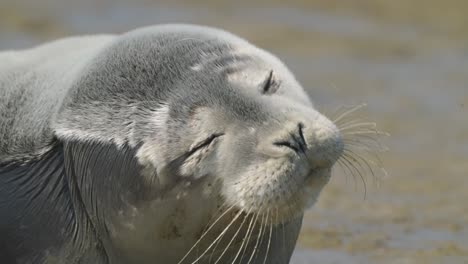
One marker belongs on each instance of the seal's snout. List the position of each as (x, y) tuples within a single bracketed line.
[(315, 139), (325, 144), (296, 151)]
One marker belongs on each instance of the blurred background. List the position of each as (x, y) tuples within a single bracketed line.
[(407, 59)]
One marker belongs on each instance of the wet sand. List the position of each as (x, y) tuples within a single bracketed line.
[(406, 59)]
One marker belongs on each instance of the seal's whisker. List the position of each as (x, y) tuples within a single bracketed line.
[(367, 141), (213, 251), (371, 132), (232, 239), (332, 114), (368, 125), (357, 133), (255, 235), (384, 173), (244, 239), (349, 122), (356, 124), (257, 241), (377, 163), (218, 212), (353, 109), (338, 111), (263, 235), (269, 240), (362, 148), (212, 223), (345, 158), (219, 236), (205, 233), (369, 163), (359, 159), (355, 171), (371, 153), (249, 236), (371, 157), (347, 170), (265, 225), (215, 248)]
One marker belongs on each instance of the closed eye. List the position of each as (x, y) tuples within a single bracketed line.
[(204, 143), (269, 85)]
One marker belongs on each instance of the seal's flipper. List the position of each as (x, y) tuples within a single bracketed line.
[(39, 216), (34, 201)]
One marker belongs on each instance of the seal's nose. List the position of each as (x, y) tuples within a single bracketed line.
[(296, 141), (313, 138)]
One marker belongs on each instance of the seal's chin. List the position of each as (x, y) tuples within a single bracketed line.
[(314, 183), (282, 190), (305, 195)]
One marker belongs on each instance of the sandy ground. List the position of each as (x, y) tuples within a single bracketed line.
[(406, 59)]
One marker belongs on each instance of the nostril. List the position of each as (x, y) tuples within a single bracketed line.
[(296, 141), (286, 144), (302, 143)]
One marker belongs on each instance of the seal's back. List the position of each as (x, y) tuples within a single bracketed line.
[(33, 84)]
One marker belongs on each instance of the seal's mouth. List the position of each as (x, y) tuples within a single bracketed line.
[(285, 187)]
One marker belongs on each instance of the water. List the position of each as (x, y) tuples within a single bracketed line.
[(408, 62)]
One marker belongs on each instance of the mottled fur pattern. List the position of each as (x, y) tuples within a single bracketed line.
[(138, 140)]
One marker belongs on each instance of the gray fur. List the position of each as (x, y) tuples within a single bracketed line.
[(100, 157)]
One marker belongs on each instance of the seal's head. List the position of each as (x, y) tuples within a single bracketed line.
[(243, 119)]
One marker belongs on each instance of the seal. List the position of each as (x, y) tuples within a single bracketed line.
[(167, 144)]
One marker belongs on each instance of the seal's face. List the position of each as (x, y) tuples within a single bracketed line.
[(255, 130)]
